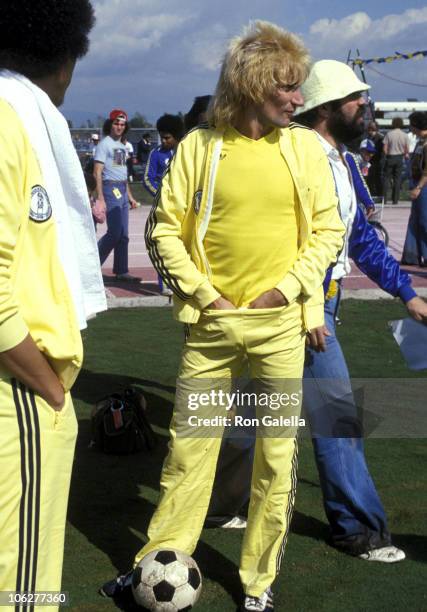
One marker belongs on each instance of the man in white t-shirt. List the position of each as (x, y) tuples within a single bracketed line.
[(114, 194)]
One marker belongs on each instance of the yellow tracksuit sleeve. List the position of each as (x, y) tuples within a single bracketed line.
[(325, 240), (164, 233), (13, 328)]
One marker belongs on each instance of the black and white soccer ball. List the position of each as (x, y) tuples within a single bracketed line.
[(166, 581)]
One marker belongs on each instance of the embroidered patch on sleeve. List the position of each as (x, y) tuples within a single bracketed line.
[(40, 207)]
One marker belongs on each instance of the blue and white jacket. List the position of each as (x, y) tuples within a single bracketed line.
[(361, 188), (157, 163), (367, 250), (371, 256)]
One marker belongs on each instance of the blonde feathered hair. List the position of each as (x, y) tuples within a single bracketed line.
[(263, 58)]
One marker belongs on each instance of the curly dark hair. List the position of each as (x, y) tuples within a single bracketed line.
[(418, 119), (39, 36), (200, 106), (172, 124)]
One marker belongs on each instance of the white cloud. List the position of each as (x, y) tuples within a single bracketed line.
[(348, 27), (206, 48), (392, 25), (134, 35), (130, 29), (404, 32), (360, 28)]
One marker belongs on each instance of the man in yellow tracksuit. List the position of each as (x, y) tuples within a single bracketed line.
[(242, 231), (40, 342)]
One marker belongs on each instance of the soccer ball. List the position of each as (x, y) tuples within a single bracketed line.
[(166, 581)]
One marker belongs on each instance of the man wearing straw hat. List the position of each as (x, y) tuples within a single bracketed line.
[(334, 107)]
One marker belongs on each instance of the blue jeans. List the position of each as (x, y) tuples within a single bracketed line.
[(117, 236), (353, 508)]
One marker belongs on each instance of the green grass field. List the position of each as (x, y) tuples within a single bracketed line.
[(112, 498)]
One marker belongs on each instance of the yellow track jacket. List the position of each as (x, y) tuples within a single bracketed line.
[(178, 221), (34, 294)]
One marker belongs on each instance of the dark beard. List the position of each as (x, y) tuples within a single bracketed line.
[(342, 130)]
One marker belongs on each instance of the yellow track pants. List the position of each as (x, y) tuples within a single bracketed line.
[(270, 344), (36, 456)]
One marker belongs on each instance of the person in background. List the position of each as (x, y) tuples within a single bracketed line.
[(89, 164), (375, 177), (366, 153), (415, 247), (143, 149), (197, 113), (396, 150), (412, 144), (171, 130), (95, 141), (114, 194), (129, 157), (357, 164), (50, 283)]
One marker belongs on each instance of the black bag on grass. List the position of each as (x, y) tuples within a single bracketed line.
[(120, 425)]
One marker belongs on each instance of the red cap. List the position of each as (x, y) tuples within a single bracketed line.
[(117, 113)]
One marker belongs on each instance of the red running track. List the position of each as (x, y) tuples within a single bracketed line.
[(395, 219)]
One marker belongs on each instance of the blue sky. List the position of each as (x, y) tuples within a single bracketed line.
[(154, 56)]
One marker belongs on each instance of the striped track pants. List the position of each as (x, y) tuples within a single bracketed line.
[(218, 350), (36, 454)]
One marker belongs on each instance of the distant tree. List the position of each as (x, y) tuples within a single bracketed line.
[(70, 124), (139, 121), (90, 123), (100, 120)]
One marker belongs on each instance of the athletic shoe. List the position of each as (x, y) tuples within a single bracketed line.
[(167, 292), (385, 554), (259, 604), (237, 522), (116, 587), (128, 278)]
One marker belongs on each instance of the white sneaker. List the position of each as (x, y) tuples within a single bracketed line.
[(237, 522), (259, 604), (166, 291), (386, 554)]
